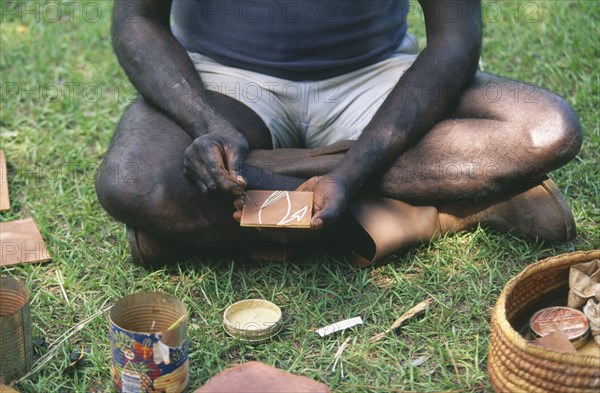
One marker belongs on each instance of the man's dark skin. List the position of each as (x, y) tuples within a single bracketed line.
[(176, 141)]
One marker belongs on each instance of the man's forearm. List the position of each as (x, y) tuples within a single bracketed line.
[(158, 66), (421, 98)]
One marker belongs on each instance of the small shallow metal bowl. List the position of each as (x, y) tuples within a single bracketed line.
[(252, 320), (572, 322)]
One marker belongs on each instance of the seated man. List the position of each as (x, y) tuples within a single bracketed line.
[(329, 97)]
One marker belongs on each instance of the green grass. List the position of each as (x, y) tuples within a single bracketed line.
[(54, 144)]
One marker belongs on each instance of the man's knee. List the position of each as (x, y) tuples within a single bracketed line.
[(556, 135), (140, 196), (120, 188)]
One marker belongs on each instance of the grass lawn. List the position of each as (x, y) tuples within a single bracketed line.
[(61, 95)]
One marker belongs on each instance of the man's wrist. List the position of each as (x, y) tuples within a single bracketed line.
[(362, 162), (348, 178), (205, 118)]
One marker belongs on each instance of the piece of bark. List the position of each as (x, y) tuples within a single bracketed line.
[(4, 198), (256, 377), (21, 242), (556, 340), (277, 209)]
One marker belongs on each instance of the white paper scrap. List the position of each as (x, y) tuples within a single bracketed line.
[(341, 325), (161, 353)]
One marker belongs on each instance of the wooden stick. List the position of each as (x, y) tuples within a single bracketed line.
[(453, 363), (62, 288), (4, 198), (418, 309), (177, 322)]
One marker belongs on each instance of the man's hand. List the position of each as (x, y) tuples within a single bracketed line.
[(215, 160), (142, 39), (330, 198)]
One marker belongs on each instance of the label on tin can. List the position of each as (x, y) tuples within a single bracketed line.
[(131, 382), (135, 368)]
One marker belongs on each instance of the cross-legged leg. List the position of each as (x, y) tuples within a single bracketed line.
[(501, 133)]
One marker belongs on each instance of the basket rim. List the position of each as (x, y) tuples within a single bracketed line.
[(499, 312)]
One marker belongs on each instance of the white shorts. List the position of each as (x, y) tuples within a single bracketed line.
[(313, 113)]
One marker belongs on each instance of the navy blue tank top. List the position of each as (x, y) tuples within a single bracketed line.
[(292, 39)]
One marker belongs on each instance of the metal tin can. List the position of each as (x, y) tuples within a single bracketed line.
[(16, 347), (149, 344), (571, 321)]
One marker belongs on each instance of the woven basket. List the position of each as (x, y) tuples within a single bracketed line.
[(514, 365)]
